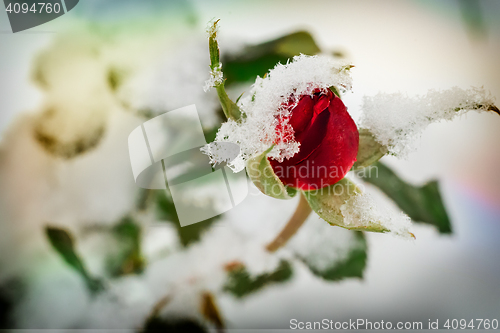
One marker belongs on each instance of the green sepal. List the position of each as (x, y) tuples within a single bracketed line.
[(369, 152), (335, 91), (262, 175), (327, 201), (231, 110)]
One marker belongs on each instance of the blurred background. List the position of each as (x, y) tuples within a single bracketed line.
[(81, 246)]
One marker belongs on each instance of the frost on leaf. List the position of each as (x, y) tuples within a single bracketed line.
[(216, 78), (344, 205), (396, 120), (264, 107), (361, 210)]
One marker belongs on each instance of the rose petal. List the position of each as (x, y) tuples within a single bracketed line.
[(329, 146), (321, 103), (310, 139), (337, 152), (302, 114)]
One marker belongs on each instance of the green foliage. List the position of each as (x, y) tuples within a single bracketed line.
[(351, 267), (129, 259), (165, 211), (423, 204), (211, 133), (259, 59), (62, 241), (241, 284)]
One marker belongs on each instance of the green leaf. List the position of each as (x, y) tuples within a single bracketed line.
[(370, 151), (165, 211), (129, 259), (241, 284), (422, 203), (326, 202), (259, 59), (211, 133), (262, 175), (63, 243), (352, 266)]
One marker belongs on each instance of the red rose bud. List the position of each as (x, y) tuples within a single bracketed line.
[(328, 140)]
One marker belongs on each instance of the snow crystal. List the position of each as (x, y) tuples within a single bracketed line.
[(213, 27), (216, 78), (361, 210), (220, 152), (263, 109), (396, 120)]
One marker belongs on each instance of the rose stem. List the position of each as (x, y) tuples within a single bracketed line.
[(298, 218)]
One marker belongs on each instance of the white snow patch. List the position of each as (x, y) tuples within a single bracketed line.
[(216, 78), (397, 120), (220, 152), (361, 210)]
